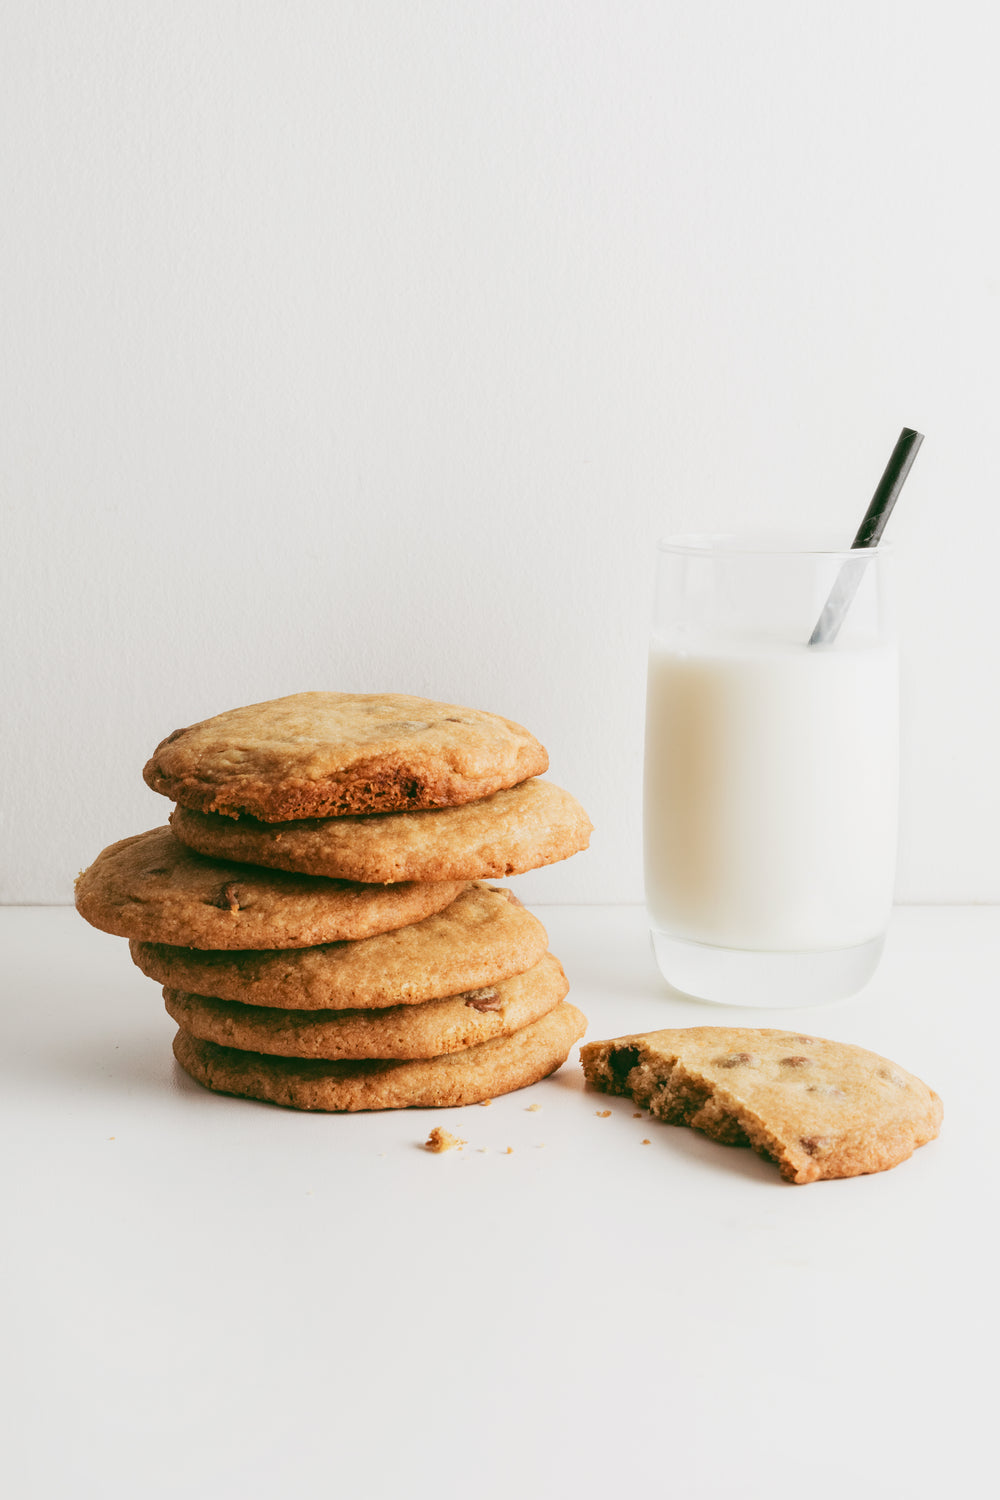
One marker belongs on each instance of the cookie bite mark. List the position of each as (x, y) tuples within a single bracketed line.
[(682, 1095)]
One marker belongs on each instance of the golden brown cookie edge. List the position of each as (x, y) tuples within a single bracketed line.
[(456, 1079), (300, 850), (431, 1029)]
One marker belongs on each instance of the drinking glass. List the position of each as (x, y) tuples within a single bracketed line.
[(771, 768)]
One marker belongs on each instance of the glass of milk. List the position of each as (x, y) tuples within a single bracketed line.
[(771, 770)]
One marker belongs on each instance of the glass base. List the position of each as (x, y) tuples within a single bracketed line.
[(737, 976)]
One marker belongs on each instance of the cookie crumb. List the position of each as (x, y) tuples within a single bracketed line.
[(484, 1102), (603, 1114), (638, 1116), (509, 1151), (647, 1142), (532, 1108), (442, 1140)]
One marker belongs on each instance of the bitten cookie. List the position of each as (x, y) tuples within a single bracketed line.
[(485, 934), (152, 888), (321, 755), (818, 1108), (484, 1072), (427, 1030), (517, 829)]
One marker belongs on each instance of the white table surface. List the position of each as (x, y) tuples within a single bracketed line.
[(209, 1297)]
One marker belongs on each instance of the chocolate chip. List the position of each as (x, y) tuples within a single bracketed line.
[(735, 1060), (229, 898), (622, 1060), (814, 1143), (796, 1062), (487, 999)]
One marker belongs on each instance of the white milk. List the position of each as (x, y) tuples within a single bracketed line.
[(771, 787)]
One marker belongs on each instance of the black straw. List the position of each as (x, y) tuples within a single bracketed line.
[(868, 535)]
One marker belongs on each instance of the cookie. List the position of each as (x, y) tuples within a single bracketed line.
[(321, 755), (152, 888), (426, 1030), (819, 1109), (483, 1072), (484, 935), (514, 830)]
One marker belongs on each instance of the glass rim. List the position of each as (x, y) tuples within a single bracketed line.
[(707, 544)]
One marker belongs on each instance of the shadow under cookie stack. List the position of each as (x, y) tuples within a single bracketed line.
[(318, 913)]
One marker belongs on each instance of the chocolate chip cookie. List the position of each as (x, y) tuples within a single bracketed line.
[(819, 1109), (153, 888), (517, 829), (321, 755)]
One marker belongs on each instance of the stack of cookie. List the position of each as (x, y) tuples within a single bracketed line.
[(317, 910)]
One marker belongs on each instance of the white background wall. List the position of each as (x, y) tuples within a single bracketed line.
[(369, 346)]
